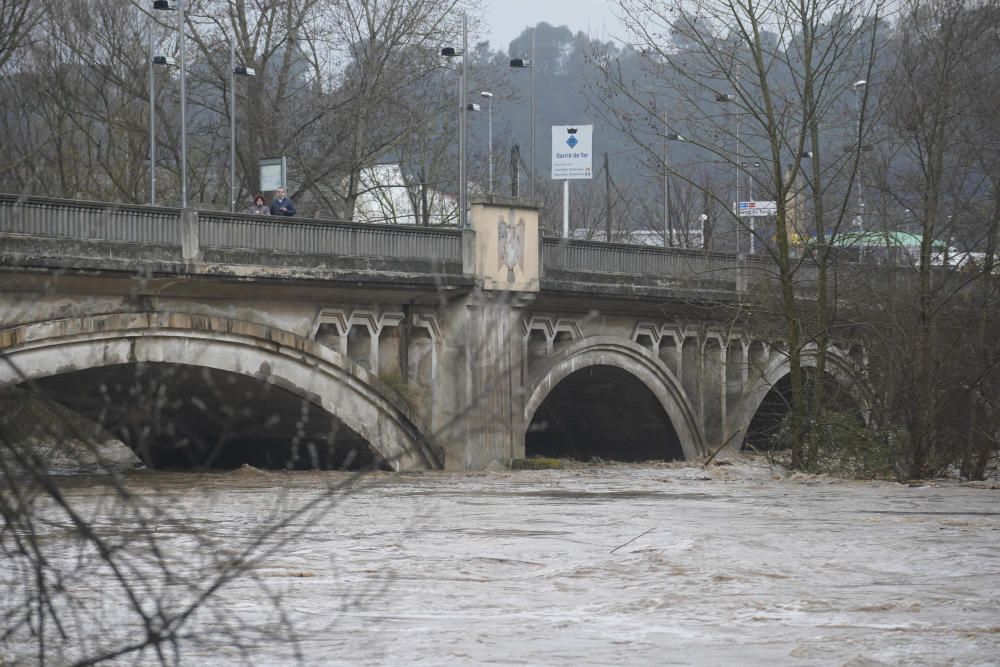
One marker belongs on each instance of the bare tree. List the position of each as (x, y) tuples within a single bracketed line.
[(766, 83), (942, 142)]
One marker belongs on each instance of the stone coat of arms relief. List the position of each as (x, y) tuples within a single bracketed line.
[(510, 246)]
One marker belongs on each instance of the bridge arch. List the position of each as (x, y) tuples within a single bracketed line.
[(309, 370), (636, 361), (766, 378)]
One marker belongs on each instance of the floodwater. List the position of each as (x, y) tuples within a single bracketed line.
[(612, 564)]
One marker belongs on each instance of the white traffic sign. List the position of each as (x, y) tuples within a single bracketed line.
[(572, 152), (756, 209)]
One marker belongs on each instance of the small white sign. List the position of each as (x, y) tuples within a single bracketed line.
[(572, 152), (756, 209), (273, 174)]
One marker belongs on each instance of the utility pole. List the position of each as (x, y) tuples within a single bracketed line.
[(515, 176)]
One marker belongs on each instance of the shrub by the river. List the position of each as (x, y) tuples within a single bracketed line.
[(536, 463), (839, 443)]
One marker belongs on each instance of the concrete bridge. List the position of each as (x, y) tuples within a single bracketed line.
[(210, 339)]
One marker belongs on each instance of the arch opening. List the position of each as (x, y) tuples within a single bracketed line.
[(179, 416), (763, 433), (604, 412)]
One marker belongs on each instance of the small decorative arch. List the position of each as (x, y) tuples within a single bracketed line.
[(635, 359), (310, 370)]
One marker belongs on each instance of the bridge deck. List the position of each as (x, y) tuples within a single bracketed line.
[(55, 233)]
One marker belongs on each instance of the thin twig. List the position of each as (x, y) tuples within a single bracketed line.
[(632, 540)]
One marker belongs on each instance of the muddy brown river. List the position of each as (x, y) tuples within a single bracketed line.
[(614, 564)]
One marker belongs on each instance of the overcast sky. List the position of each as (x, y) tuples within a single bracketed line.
[(505, 19)]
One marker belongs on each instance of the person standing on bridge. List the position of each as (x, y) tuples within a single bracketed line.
[(282, 205), (259, 206)]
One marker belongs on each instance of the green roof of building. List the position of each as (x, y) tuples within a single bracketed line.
[(879, 240)]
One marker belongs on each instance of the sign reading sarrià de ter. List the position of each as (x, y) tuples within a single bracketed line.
[(572, 152)]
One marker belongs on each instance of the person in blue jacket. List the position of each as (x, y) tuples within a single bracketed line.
[(282, 205)]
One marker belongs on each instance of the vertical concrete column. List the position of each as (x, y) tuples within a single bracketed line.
[(480, 421), (736, 381), (713, 395)]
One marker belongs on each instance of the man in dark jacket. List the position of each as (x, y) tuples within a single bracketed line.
[(282, 205)]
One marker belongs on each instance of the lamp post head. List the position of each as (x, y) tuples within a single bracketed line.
[(450, 52), (164, 60), (724, 97), (860, 83), (487, 94), (673, 136), (243, 70), (472, 106), (164, 4), (520, 62)]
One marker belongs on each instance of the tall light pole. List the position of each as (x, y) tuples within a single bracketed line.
[(751, 168), (668, 229), (153, 62), (152, 119), (736, 158), (168, 5), (451, 52), (489, 97), (234, 70), (520, 63), (858, 86), (184, 176)]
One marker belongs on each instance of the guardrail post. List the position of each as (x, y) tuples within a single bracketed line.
[(190, 250)]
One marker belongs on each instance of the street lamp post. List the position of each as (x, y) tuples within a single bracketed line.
[(858, 86), (184, 179), (489, 98), (668, 228), (234, 70), (451, 52), (520, 63), (168, 5), (723, 97), (153, 62), (751, 168), (152, 120)]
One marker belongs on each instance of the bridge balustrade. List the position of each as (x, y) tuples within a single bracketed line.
[(91, 221), (616, 258), (165, 234), (436, 249), (317, 237)]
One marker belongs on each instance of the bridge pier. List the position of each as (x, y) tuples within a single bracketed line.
[(481, 425)]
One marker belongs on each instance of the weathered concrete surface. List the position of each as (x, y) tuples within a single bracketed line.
[(269, 355), (438, 363)]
